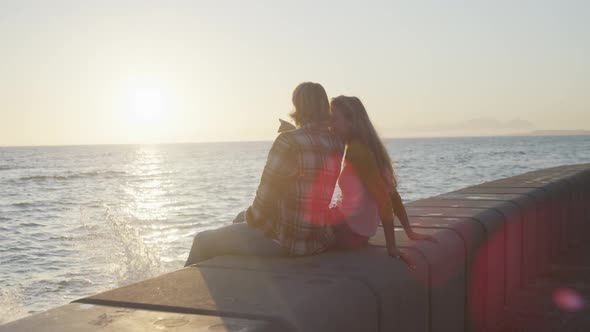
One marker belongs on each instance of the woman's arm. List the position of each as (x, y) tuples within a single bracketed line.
[(400, 211), (278, 170)]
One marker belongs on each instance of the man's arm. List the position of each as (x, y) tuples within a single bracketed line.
[(278, 169)]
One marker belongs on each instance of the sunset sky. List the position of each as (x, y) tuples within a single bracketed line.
[(103, 72)]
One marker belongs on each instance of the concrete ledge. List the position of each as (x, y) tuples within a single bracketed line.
[(487, 277), (549, 304), (513, 244), (495, 241), (559, 208), (472, 235), (539, 222), (526, 224), (88, 317), (397, 289), (446, 275), (301, 302)]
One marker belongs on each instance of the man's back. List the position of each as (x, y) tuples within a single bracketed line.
[(296, 188)]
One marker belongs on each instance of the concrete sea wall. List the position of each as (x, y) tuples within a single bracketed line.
[(494, 239)]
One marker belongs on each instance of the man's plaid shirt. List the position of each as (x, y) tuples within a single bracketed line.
[(293, 197)]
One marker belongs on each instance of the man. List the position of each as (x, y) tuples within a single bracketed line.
[(290, 213)]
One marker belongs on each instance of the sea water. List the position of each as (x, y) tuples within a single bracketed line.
[(77, 220)]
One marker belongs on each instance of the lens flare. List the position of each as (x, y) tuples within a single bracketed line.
[(320, 193), (568, 299)]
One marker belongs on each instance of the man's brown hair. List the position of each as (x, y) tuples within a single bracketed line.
[(311, 104)]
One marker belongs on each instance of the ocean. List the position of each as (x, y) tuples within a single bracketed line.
[(77, 220)]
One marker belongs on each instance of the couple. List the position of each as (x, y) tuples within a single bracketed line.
[(291, 214)]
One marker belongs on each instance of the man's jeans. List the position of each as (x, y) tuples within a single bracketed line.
[(238, 239)]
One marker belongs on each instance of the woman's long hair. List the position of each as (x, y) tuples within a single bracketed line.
[(362, 129)]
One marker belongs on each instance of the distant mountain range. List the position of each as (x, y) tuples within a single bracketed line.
[(559, 132), (477, 127)]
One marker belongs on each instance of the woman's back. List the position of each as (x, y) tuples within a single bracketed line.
[(355, 204)]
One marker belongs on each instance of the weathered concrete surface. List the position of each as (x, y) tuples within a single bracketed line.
[(88, 317), (543, 241), (532, 262), (559, 205), (576, 182), (446, 275), (513, 260), (398, 289), (302, 302), (487, 274), (558, 301)]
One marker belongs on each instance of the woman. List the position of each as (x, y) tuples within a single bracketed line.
[(367, 182)]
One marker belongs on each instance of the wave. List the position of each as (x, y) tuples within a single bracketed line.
[(24, 204), (106, 174), (45, 207), (30, 224)]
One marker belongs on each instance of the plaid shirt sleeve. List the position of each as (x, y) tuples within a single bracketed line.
[(279, 167)]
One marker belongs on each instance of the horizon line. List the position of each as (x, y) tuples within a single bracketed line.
[(531, 134)]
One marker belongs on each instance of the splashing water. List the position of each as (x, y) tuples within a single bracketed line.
[(118, 245), (136, 261), (11, 305)]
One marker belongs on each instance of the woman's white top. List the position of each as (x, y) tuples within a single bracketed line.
[(360, 211)]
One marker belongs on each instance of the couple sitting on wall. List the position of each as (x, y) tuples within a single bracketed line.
[(291, 213)]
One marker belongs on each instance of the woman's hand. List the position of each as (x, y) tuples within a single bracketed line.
[(417, 236), (398, 254)]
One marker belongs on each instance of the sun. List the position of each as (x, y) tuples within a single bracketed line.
[(147, 105), (147, 110)]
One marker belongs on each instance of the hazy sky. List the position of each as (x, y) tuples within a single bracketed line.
[(87, 72)]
